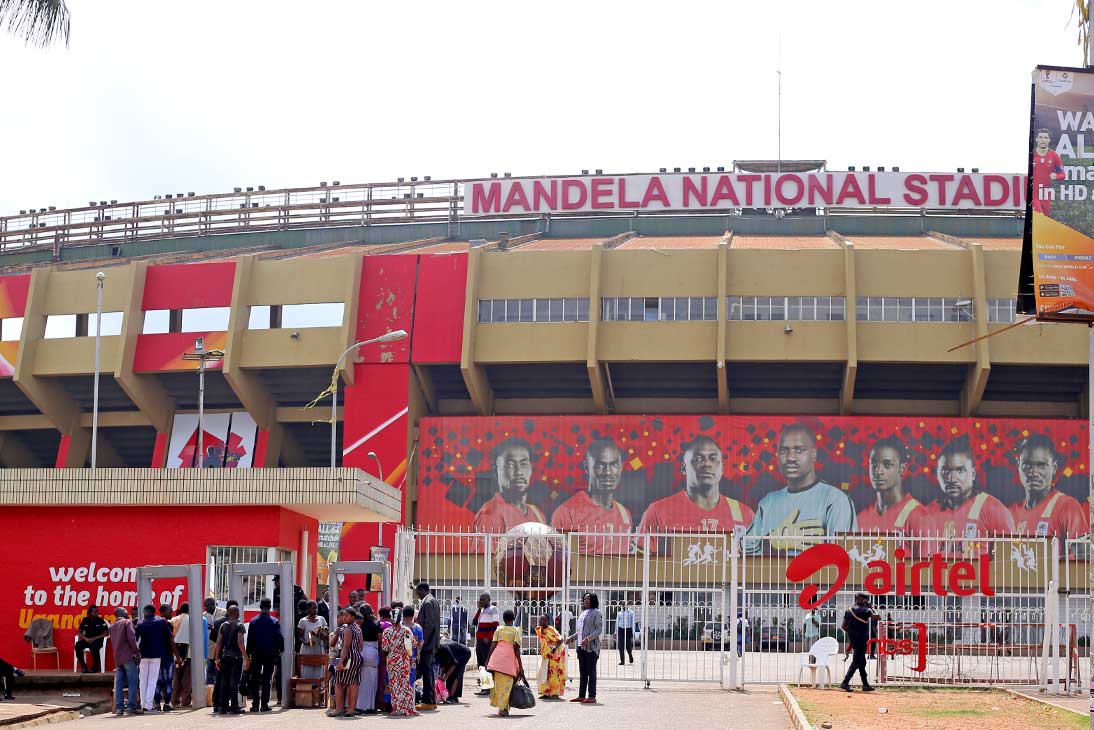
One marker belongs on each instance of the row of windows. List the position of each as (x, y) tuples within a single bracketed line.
[(913, 309), (658, 309), (795, 309), (534, 310), (1002, 310)]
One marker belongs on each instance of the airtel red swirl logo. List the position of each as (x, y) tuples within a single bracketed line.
[(811, 562)]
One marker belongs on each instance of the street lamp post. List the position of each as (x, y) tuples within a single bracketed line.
[(388, 337), (99, 278), (202, 356)]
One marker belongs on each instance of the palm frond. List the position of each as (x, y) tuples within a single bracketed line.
[(38, 22)]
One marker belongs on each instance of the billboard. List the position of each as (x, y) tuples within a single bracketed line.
[(1057, 274), (229, 441), (730, 191), (791, 482)]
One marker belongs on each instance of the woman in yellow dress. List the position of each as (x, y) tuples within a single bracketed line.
[(552, 666), (505, 663)]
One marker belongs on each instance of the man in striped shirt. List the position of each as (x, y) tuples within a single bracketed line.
[(485, 621)]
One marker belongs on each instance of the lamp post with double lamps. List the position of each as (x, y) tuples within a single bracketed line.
[(202, 356)]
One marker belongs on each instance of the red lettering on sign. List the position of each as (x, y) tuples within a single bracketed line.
[(749, 181), (811, 562), (780, 189), (966, 191), (905, 647), (963, 578), (850, 189), (570, 203), (485, 198), (999, 181), (940, 182), (818, 192), (916, 185), (602, 188), (515, 197), (542, 198), (724, 191), (623, 202), (692, 191), (871, 188), (655, 191)]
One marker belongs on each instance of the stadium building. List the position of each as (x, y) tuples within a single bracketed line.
[(554, 311)]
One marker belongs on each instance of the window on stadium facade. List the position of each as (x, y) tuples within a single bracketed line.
[(1002, 310), (914, 309), (658, 309), (534, 310), (793, 309)]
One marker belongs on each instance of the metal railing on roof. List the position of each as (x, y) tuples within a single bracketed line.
[(250, 210)]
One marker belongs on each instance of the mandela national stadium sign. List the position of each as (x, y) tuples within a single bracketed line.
[(730, 191)]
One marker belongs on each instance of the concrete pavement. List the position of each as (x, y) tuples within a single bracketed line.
[(665, 706)]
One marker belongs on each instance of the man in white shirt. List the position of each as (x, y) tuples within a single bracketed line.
[(624, 633)]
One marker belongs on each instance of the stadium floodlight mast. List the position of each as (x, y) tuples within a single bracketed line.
[(99, 279), (387, 337), (203, 357)]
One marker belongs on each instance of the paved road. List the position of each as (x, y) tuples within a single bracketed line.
[(666, 706)]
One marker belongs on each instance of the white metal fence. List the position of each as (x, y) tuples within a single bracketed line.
[(971, 639), (709, 608)]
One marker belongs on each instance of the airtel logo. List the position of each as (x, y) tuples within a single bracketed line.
[(962, 578)]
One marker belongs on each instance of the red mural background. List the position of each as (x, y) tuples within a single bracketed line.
[(456, 472)]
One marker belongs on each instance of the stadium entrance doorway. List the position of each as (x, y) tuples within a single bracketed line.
[(286, 611), (193, 596)]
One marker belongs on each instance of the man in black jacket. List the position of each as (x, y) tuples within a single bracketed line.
[(857, 622), (429, 618)]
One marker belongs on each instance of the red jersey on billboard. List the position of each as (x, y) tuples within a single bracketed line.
[(1057, 514), (976, 517), (498, 515), (908, 516), (580, 513), (678, 512), (1046, 168)]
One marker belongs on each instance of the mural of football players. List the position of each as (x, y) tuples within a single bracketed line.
[(807, 509), (513, 460), (596, 509), (893, 509), (1045, 511), (699, 506), (962, 513)]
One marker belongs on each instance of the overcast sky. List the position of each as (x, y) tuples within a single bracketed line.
[(154, 97)]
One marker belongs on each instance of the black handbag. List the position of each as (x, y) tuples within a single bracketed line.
[(521, 697)]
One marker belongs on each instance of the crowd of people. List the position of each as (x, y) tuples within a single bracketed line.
[(372, 658)]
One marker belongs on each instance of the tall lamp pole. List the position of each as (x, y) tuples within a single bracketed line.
[(202, 356), (99, 279), (388, 337)]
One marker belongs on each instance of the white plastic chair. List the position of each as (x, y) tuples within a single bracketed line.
[(102, 654), (822, 652)]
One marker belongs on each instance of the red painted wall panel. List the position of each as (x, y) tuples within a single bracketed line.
[(386, 303), (189, 286), (163, 352), (64, 539), (13, 295), (375, 420), (438, 308)]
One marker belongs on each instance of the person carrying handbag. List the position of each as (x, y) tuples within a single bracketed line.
[(506, 666)]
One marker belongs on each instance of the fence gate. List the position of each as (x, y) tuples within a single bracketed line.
[(673, 583), (971, 640)]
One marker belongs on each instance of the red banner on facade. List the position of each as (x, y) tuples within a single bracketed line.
[(792, 481)]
